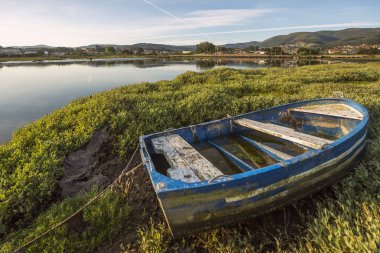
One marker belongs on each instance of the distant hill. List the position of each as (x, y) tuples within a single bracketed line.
[(352, 36), (242, 45), (163, 47), (148, 46), (33, 47)]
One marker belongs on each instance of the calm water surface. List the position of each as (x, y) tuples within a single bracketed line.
[(31, 90)]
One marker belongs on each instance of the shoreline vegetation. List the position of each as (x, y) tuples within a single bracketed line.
[(197, 56), (342, 218)]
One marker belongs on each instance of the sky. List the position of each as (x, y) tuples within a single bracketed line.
[(175, 22)]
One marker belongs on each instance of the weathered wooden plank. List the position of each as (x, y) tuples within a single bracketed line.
[(335, 110), (186, 163), (278, 153), (273, 153), (284, 133), (183, 174)]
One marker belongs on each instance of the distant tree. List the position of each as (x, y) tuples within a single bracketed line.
[(266, 50), (110, 50), (140, 51), (64, 49), (40, 53), (316, 51), (223, 49), (308, 51), (368, 51), (276, 51), (99, 49), (252, 48), (205, 47), (127, 51)]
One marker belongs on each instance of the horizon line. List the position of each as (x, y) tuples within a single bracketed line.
[(227, 32)]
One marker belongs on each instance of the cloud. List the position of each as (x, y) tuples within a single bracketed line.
[(37, 23), (74, 23), (196, 20), (173, 16), (224, 17), (214, 18), (191, 38), (338, 25)]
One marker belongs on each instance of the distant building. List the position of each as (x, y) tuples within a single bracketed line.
[(86, 50), (31, 52), (11, 51), (289, 49), (334, 51), (239, 51), (147, 51), (58, 53), (350, 51), (187, 52)]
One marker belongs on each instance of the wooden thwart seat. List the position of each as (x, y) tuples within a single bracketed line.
[(187, 164), (335, 110), (273, 153), (276, 152), (284, 133)]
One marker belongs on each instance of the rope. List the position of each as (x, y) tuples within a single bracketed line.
[(83, 207), (126, 167)]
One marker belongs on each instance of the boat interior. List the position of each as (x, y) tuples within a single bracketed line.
[(251, 141)]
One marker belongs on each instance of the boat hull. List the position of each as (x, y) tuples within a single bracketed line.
[(252, 193)]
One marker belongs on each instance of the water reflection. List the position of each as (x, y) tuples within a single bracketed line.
[(29, 90), (252, 63), (202, 64)]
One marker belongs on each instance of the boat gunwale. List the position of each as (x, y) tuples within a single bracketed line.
[(287, 163)]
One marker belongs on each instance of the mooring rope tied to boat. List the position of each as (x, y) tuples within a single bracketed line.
[(78, 211)]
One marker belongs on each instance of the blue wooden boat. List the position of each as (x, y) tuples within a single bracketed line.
[(239, 167)]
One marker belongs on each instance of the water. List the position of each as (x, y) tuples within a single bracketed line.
[(31, 90), (217, 159), (243, 151)]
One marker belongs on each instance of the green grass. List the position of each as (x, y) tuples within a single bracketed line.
[(346, 218), (99, 222)]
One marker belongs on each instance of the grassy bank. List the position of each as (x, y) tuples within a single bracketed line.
[(344, 218)]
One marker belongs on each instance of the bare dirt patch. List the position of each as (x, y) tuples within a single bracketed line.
[(141, 197), (95, 164), (92, 165)]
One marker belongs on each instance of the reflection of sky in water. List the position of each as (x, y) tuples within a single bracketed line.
[(28, 92)]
